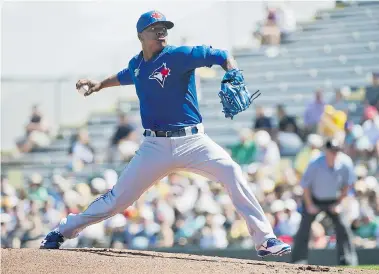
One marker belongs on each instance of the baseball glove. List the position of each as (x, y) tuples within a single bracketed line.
[(234, 95)]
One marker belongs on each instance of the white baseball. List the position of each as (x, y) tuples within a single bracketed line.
[(83, 90)]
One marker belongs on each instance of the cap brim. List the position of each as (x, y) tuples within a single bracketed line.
[(168, 24)]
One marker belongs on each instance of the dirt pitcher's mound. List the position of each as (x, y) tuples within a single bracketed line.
[(107, 261)]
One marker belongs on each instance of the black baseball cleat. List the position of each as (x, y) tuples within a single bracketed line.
[(53, 240)]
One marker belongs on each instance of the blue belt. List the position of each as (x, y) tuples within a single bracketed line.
[(175, 133)]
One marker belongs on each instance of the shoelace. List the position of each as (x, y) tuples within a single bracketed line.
[(274, 241)]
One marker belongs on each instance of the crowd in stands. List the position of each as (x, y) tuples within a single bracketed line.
[(122, 145), (184, 209)]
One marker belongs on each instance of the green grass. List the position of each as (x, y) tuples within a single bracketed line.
[(368, 267)]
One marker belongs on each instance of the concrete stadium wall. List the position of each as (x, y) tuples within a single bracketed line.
[(315, 257)]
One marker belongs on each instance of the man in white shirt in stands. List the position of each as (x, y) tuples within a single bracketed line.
[(286, 21), (371, 127)]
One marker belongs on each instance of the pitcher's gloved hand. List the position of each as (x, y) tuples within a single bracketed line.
[(234, 95)]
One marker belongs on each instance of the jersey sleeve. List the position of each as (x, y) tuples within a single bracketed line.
[(202, 56), (125, 77)]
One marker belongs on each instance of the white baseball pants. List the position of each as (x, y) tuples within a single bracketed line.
[(159, 156)]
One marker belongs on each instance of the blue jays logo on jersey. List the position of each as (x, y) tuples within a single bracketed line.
[(160, 74)]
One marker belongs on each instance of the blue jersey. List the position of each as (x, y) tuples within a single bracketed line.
[(166, 86)]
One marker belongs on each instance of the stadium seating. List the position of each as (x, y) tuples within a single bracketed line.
[(340, 49)]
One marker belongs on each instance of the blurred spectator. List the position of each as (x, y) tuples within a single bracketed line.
[(318, 238), (277, 210), (286, 21), (124, 140), (351, 135), (289, 143), (375, 79), (287, 123), (371, 127), (82, 151), (267, 150), (292, 221), (220, 236), (33, 226), (115, 228), (262, 121), (37, 133), (308, 153), (50, 216), (326, 183), (213, 235), (5, 219), (6, 188), (268, 32), (244, 152), (206, 240), (332, 123), (73, 139), (372, 91), (314, 112), (98, 186), (366, 230), (165, 236), (339, 102), (357, 144), (37, 192), (93, 236)]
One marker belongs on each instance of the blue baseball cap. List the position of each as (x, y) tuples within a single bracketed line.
[(150, 18)]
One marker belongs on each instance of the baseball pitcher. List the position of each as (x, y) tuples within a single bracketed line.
[(174, 138)]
